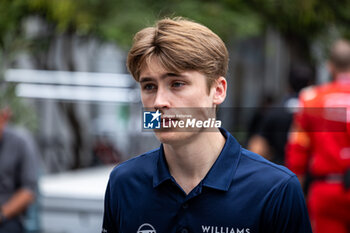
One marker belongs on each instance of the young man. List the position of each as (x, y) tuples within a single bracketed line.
[(197, 181)]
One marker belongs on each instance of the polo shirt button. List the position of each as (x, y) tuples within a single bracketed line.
[(184, 230), (185, 206)]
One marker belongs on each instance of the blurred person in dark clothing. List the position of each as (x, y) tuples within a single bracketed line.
[(319, 145), (258, 115), (105, 151), (18, 174), (271, 136)]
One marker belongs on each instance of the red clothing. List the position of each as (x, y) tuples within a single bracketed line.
[(320, 143)]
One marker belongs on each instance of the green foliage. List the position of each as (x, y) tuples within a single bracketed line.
[(11, 14), (225, 21), (303, 18), (22, 114), (124, 19), (119, 20), (80, 15), (12, 41)]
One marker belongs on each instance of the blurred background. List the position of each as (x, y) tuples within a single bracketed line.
[(63, 73)]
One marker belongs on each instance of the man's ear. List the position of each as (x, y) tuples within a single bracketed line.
[(219, 88)]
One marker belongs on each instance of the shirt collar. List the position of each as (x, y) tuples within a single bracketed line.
[(161, 173), (221, 173)]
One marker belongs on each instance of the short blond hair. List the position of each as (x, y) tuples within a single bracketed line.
[(179, 45)]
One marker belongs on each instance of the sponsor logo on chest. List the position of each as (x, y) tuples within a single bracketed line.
[(146, 228), (216, 229)]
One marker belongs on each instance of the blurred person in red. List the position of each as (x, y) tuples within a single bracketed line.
[(18, 174), (319, 145)]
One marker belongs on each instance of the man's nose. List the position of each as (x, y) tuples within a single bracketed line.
[(162, 99)]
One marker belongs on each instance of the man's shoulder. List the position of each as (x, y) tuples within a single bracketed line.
[(263, 171), (16, 135), (314, 93), (138, 166), (12, 133)]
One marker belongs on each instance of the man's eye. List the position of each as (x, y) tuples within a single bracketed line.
[(149, 87), (177, 84)]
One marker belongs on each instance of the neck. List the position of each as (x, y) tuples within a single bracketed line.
[(190, 162)]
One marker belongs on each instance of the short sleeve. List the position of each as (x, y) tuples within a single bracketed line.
[(286, 211), (108, 226)]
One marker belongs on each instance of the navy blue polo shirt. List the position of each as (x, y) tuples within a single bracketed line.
[(242, 193)]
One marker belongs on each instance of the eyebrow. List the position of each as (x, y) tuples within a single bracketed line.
[(147, 79)]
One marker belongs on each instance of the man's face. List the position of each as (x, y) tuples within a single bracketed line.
[(167, 92)]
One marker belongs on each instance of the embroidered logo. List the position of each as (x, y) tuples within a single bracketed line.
[(146, 228), (216, 229)]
